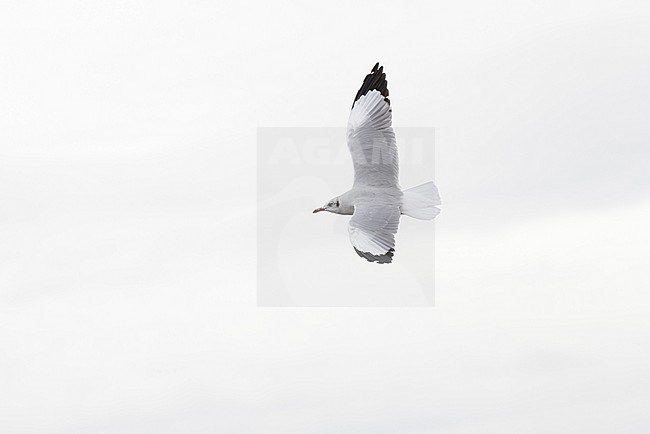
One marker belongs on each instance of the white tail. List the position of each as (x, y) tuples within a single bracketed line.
[(421, 202)]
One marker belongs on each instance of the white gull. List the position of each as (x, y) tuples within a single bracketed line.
[(376, 200)]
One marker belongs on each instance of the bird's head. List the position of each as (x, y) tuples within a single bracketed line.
[(332, 206)]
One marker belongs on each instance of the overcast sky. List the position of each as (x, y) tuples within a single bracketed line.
[(128, 208)]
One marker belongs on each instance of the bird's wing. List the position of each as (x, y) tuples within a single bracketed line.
[(372, 231), (371, 139)]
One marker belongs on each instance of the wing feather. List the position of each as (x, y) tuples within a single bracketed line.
[(370, 136), (372, 231)]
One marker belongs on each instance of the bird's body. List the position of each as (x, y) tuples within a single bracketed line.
[(376, 199), (377, 195)]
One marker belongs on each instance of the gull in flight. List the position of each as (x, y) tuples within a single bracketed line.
[(376, 199)]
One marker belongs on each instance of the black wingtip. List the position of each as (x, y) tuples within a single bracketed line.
[(376, 80), (386, 258)]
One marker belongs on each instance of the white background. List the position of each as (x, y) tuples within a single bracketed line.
[(127, 217)]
